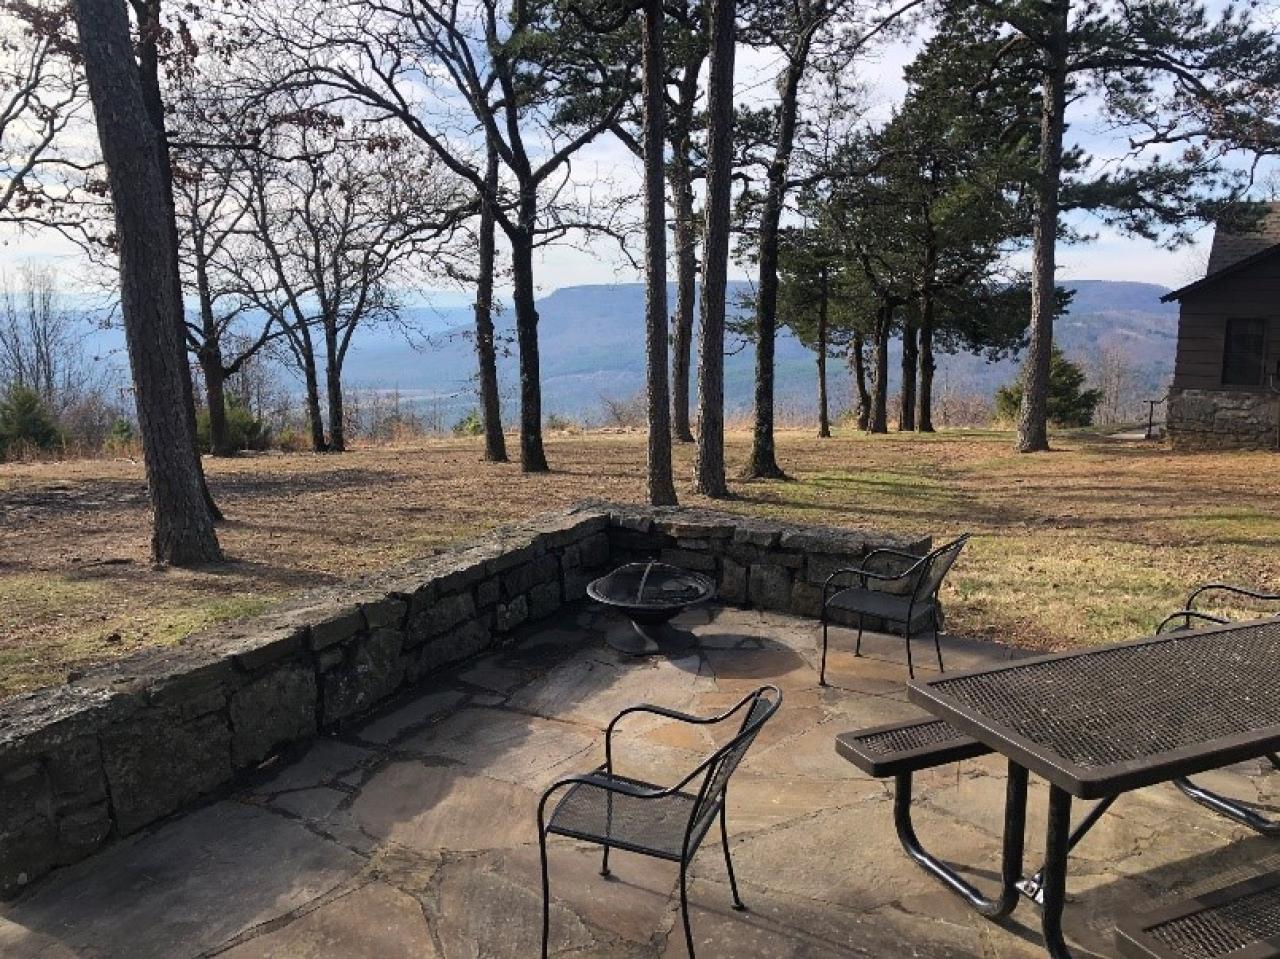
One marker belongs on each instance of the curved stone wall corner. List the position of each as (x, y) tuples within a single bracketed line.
[(126, 745)]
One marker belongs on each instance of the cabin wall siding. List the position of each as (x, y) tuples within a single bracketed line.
[(1205, 414)]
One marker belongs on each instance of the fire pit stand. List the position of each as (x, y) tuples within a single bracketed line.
[(651, 594)]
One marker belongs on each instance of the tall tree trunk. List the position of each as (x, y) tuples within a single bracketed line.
[(148, 53), (685, 232), (182, 531), (924, 422), (880, 374), (709, 471), (858, 363), (661, 486), (315, 419), (210, 357), (215, 378), (333, 390), (763, 462), (495, 444), (1033, 417), (824, 412), (686, 244), (533, 459), (910, 356)]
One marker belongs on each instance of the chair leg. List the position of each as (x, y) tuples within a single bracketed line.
[(684, 906), (546, 895), (911, 669), (604, 863), (937, 645), (728, 862), (857, 647), (822, 669)]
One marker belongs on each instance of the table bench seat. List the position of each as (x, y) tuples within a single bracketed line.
[(906, 747), (1241, 921)]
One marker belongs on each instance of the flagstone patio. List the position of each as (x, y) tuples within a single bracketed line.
[(412, 833)]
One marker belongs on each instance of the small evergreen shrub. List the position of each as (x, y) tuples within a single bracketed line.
[(1070, 404), (26, 422), (470, 425)]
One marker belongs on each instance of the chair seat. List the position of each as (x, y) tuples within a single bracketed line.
[(889, 606), (655, 827)]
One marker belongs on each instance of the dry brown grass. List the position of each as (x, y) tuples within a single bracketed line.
[(1087, 544)]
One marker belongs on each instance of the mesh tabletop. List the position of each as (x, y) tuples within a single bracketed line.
[(1114, 718)]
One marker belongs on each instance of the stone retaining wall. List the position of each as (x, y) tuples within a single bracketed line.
[(1221, 420), (84, 764)]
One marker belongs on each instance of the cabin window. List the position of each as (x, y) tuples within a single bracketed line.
[(1244, 352)]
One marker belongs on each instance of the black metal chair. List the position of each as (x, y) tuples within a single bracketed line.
[(667, 823), (914, 608), (1181, 621), (1189, 611)]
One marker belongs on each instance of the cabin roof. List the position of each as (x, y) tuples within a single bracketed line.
[(1234, 251)]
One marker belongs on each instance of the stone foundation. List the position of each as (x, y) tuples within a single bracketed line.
[(97, 759), (1222, 420)]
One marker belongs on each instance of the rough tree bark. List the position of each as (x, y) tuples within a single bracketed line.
[(1033, 417), (709, 472), (879, 420), (210, 357), (924, 421), (183, 531), (315, 419), (764, 462), (858, 364), (685, 235), (824, 410), (333, 390), (686, 255), (148, 61), (495, 444), (661, 486), (910, 356), (533, 458)]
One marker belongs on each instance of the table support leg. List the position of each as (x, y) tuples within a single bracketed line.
[(1033, 888), (1229, 808), (1057, 848), (1015, 819)]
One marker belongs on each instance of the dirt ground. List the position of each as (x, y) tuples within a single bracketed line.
[(1088, 544)]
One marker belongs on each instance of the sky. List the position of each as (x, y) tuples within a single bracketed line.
[(1111, 256)]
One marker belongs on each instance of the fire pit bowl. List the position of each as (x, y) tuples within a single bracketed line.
[(651, 594)]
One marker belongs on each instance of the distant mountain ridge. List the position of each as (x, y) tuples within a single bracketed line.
[(592, 347)]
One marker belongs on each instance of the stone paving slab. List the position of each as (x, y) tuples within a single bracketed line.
[(412, 832)]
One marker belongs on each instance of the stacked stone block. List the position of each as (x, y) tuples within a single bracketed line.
[(122, 747)]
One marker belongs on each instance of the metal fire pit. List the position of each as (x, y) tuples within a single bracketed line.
[(651, 594)]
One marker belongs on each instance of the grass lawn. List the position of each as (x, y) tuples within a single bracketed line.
[(1087, 544)]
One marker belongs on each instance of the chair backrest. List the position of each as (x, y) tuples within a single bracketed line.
[(764, 702), (935, 566)]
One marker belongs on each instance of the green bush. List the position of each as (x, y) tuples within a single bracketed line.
[(25, 421), (244, 430), (121, 431), (1069, 403), (470, 425)]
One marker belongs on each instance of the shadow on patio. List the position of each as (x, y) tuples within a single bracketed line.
[(412, 833)]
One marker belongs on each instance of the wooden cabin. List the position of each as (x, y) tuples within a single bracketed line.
[(1226, 380)]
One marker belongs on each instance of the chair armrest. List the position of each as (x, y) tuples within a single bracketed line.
[(668, 714), (864, 574), (1187, 615), (1228, 588), (595, 780)]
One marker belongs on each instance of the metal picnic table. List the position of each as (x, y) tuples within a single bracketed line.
[(1100, 722)]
